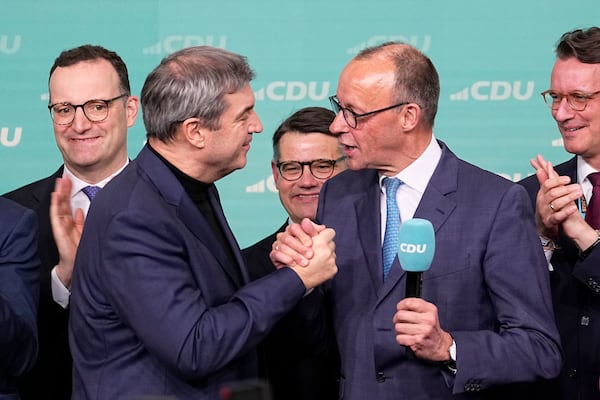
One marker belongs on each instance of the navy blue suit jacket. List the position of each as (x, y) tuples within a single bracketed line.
[(156, 305), (575, 286), (50, 377), (19, 292), (488, 280)]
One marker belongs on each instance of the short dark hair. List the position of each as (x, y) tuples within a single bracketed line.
[(305, 120), (583, 44), (90, 52)]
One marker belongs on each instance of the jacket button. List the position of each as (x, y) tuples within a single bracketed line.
[(572, 373), (380, 377)]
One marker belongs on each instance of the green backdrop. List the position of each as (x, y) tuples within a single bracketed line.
[(494, 58)]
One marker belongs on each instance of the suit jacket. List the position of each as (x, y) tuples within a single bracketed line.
[(488, 281), (575, 286), (19, 292), (294, 372), (157, 308), (50, 378)]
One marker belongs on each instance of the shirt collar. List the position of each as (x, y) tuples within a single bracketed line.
[(419, 172), (78, 184)]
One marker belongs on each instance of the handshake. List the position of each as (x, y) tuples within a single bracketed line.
[(309, 250)]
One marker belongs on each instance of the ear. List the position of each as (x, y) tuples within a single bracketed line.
[(275, 172), (410, 116), (194, 132), (132, 108)]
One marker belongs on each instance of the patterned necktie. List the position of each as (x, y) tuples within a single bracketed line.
[(91, 191), (392, 224), (592, 214)]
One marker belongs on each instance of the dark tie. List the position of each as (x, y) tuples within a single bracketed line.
[(592, 214), (91, 191), (392, 224)]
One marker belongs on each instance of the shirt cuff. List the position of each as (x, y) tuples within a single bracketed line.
[(60, 294)]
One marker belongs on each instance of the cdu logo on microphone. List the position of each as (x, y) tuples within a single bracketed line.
[(417, 245)]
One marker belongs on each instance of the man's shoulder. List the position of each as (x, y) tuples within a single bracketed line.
[(32, 193)]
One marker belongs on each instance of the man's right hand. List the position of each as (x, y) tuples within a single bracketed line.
[(309, 250), (66, 229)]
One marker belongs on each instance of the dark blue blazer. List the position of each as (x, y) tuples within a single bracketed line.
[(488, 280), (19, 292), (50, 377), (575, 286), (157, 307)]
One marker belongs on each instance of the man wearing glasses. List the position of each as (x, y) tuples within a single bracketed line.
[(567, 202), (91, 108), (305, 155), (484, 321)]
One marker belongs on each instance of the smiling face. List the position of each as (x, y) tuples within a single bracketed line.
[(229, 145), (92, 150), (580, 130), (300, 198)]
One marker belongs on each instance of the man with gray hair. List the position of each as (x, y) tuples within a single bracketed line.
[(161, 304)]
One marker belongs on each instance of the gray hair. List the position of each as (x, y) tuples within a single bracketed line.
[(191, 83)]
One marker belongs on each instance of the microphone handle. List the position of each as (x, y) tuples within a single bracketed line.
[(413, 289), (413, 284)]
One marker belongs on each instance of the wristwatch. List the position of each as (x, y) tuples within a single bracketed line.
[(450, 364)]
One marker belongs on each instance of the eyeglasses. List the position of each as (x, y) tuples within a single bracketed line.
[(576, 100), (351, 117), (95, 110), (320, 169)]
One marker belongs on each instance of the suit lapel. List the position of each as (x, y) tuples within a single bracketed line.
[(172, 191), (368, 210), (436, 206)]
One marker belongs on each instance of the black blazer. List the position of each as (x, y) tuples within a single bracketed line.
[(50, 377), (293, 372), (575, 287)]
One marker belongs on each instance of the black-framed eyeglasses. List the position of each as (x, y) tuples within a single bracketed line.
[(320, 168), (351, 117), (95, 110), (576, 100)]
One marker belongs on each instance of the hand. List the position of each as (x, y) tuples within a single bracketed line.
[(555, 206), (417, 326), (294, 246), (66, 229), (322, 266)]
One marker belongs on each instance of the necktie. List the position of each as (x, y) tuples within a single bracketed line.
[(392, 224), (592, 214), (91, 191)]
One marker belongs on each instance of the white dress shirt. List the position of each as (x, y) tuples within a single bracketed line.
[(415, 177), (60, 293)]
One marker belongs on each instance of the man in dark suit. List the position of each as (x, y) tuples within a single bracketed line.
[(561, 197), (91, 108), (161, 304), (305, 155), (19, 292), (485, 320)]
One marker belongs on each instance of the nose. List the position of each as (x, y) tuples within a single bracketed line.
[(564, 111), (338, 125), (307, 179), (80, 122), (256, 125)]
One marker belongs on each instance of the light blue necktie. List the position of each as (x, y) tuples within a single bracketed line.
[(91, 191), (392, 224)]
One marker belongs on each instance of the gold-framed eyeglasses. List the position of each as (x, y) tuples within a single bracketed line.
[(578, 101), (95, 110), (351, 117), (293, 170)]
